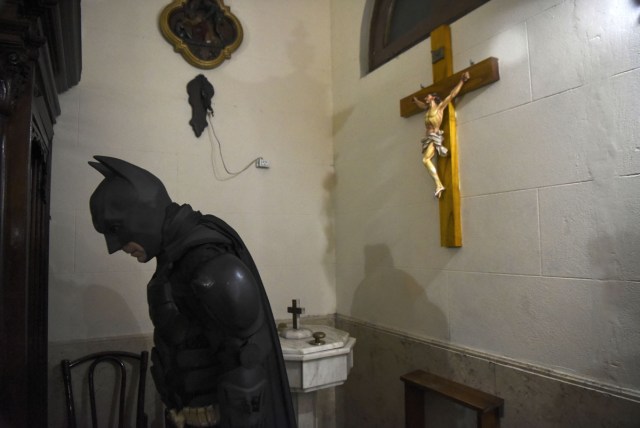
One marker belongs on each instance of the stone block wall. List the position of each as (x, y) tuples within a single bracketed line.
[(534, 397)]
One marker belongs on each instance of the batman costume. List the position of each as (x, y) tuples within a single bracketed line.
[(217, 360)]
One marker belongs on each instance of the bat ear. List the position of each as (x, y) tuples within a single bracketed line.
[(148, 186), (102, 169), (117, 167)]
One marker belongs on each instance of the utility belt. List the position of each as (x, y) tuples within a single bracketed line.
[(208, 416)]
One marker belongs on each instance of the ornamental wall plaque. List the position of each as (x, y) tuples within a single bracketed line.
[(205, 32)]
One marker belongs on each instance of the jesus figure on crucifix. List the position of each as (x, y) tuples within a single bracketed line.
[(432, 141)]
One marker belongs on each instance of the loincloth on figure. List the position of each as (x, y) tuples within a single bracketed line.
[(435, 138)]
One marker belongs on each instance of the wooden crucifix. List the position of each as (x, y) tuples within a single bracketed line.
[(481, 74)]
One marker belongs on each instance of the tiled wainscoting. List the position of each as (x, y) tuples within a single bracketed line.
[(373, 394)]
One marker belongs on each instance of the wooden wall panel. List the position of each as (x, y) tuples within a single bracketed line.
[(36, 63)]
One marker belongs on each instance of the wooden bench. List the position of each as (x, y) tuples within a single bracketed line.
[(488, 408)]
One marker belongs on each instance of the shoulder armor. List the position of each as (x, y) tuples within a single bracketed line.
[(230, 294)]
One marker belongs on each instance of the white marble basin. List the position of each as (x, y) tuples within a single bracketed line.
[(312, 367)]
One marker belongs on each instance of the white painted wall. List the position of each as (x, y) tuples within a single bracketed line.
[(272, 100), (549, 271)]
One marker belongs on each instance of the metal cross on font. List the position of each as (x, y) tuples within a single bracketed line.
[(296, 311)]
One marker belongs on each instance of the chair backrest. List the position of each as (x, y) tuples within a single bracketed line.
[(117, 359)]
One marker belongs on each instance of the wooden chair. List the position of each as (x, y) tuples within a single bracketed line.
[(118, 359)]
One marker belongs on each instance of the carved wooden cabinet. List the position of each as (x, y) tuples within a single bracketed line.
[(40, 57)]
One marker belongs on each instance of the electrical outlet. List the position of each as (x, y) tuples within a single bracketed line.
[(262, 163)]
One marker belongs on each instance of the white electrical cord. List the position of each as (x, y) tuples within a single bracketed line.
[(212, 136)]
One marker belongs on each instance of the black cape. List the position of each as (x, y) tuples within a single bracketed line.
[(184, 231)]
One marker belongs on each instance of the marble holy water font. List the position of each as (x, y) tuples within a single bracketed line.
[(316, 357)]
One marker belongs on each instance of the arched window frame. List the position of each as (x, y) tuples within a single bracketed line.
[(381, 50)]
